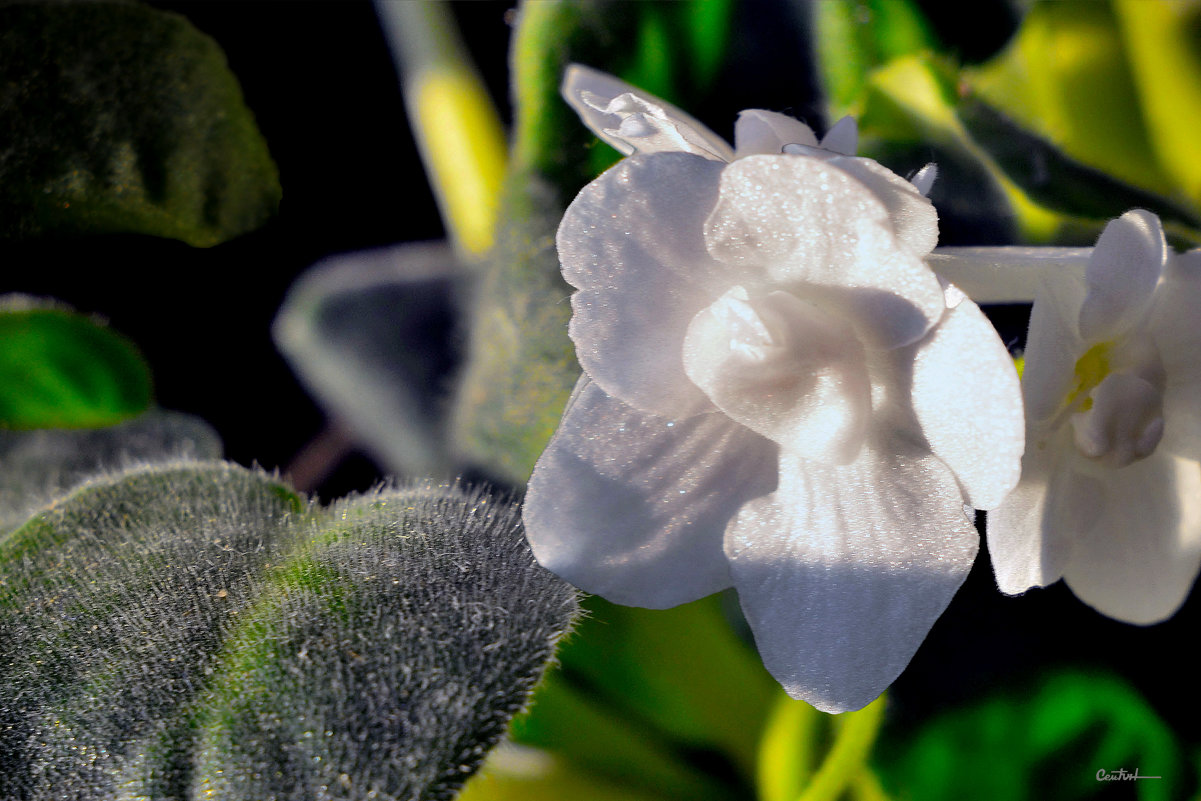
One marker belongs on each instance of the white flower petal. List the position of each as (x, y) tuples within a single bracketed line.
[(1054, 345), (1031, 534), (923, 180), (1175, 324), (967, 398), (785, 369), (1138, 562), (633, 507), (913, 216), (1006, 274), (807, 222), (767, 132), (843, 570), (843, 137), (1122, 274), (631, 242), (633, 121)]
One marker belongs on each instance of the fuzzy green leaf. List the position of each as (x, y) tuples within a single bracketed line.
[(122, 119), (199, 629)]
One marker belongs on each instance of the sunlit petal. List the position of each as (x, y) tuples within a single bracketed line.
[(631, 242), (767, 132), (804, 220), (1122, 274), (633, 121), (633, 507), (960, 370), (843, 570), (913, 217)]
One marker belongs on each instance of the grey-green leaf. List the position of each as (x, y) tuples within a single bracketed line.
[(194, 629), (119, 118)]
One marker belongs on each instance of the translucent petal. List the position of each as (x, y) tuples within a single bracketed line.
[(914, 219), (967, 398), (633, 507), (843, 137), (807, 222), (843, 570), (1031, 533), (1175, 325), (1052, 346), (1005, 274), (767, 132), (633, 121), (1138, 562), (1122, 274), (631, 242), (785, 369)]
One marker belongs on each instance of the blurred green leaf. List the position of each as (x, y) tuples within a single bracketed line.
[(673, 669), (583, 729), (122, 119), (1064, 77), (1048, 743), (521, 367), (38, 465), (854, 37), (520, 773), (60, 369), (916, 109), (1163, 45)]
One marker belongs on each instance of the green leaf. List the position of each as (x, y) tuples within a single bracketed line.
[(60, 369), (1064, 77), (200, 629), (1164, 50), (854, 37), (122, 119), (590, 735), (1046, 743), (520, 773), (672, 669), (916, 110)]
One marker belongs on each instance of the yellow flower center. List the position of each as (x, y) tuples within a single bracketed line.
[(1091, 369)]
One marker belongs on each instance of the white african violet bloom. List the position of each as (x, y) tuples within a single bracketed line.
[(1110, 496), (778, 394)]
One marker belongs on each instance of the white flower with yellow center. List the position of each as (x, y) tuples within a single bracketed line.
[(1110, 496), (779, 395)]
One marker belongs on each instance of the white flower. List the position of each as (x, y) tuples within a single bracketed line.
[(778, 394), (1110, 496)]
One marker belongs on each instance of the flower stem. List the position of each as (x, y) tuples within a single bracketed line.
[(456, 126), (845, 762)]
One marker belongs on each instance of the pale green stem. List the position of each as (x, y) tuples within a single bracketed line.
[(458, 131), (847, 758), (1004, 274)]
